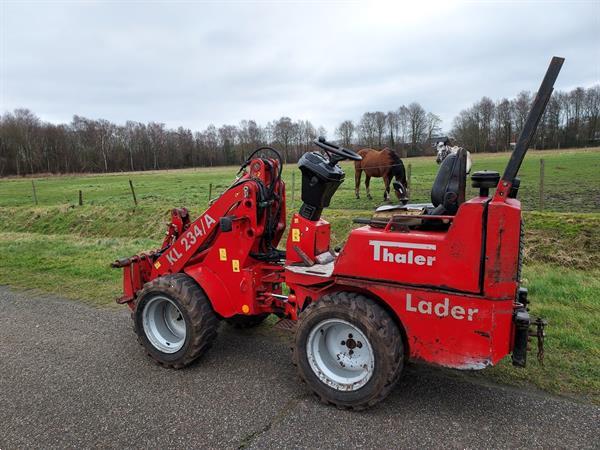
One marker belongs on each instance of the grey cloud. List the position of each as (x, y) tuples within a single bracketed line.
[(193, 64)]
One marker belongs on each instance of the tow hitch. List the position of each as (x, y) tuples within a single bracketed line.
[(540, 325), (524, 328)]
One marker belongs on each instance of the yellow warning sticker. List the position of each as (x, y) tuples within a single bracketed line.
[(235, 265), (157, 264), (223, 254), (295, 235)]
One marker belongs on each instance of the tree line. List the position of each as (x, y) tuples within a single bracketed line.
[(29, 145), (409, 129), (571, 119)]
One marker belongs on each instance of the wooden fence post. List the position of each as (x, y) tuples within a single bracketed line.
[(293, 189), (541, 184), (80, 198), (209, 192), (133, 192), (34, 193)]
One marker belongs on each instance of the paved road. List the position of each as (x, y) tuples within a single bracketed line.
[(73, 375)]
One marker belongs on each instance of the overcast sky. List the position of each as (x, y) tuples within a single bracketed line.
[(195, 63)]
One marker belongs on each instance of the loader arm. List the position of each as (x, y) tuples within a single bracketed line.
[(529, 128), (199, 233)]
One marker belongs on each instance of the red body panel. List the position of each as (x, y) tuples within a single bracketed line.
[(453, 330), (444, 259), (502, 249), (312, 238), (453, 290)]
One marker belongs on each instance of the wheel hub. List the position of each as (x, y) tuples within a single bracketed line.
[(164, 324), (340, 355)]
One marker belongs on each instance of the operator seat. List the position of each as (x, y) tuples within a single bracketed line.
[(448, 191)]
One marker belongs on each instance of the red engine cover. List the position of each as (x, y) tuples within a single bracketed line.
[(442, 259)]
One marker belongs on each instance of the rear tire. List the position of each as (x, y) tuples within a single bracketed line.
[(174, 320), (348, 350)]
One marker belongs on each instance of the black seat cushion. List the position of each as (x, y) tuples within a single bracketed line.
[(448, 191)]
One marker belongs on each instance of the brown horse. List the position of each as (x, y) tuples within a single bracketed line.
[(386, 164)]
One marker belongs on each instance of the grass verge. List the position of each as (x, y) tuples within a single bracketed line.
[(68, 265), (568, 299)]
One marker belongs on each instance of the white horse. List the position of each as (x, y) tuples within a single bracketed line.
[(444, 149)]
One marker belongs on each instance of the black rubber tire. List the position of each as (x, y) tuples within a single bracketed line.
[(201, 321), (241, 322), (383, 334)]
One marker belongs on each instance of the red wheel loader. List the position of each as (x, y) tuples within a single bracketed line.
[(437, 283)]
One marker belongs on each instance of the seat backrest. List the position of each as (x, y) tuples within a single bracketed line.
[(448, 191)]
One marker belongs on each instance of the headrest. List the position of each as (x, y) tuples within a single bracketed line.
[(448, 190)]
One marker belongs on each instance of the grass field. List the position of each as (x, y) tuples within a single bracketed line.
[(60, 247), (571, 184)]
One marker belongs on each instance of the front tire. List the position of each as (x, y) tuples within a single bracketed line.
[(348, 350), (174, 320)]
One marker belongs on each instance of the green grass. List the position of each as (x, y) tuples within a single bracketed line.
[(62, 248), (568, 299), (566, 172), (67, 265)]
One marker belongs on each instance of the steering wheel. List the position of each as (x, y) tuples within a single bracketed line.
[(341, 152)]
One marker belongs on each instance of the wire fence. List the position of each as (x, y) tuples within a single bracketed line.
[(549, 183)]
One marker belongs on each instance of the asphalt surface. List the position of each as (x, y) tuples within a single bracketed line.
[(72, 375)]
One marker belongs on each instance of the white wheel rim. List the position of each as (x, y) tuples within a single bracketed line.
[(164, 324), (340, 355)]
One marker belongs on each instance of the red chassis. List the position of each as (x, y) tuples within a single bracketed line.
[(453, 291), (441, 287)]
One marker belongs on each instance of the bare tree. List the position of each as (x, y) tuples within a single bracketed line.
[(404, 121), (433, 125), (393, 127), (380, 126), (106, 135), (576, 102), (503, 125), (308, 135), (211, 136), (592, 112), (157, 140), (345, 132), (417, 118), (227, 139), (321, 131), (520, 110), (487, 110), (368, 129), (283, 132)]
